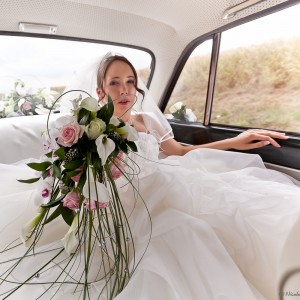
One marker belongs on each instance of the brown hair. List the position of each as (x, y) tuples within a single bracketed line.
[(107, 60)]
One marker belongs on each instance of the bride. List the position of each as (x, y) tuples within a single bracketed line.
[(223, 226)]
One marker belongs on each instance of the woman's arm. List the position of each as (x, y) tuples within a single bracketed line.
[(250, 139)]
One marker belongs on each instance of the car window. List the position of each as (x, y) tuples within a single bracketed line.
[(188, 98), (258, 72), (35, 71)]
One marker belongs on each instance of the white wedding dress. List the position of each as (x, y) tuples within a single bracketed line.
[(223, 227)]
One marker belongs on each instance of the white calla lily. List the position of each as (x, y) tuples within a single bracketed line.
[(105, 146), (96, 191), (114, 121), (90, 104), (26, 231), (21, 102), (70, 242), (132, 133)]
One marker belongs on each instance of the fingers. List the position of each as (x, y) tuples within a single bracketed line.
[(263, 139), (257, 145), (256, 138), (270, 133)]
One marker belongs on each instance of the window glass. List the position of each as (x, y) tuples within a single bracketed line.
[(34, 71), (258, 74), (187, 101)]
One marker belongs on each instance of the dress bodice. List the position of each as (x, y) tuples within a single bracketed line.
[(148, 147), (142, 162)]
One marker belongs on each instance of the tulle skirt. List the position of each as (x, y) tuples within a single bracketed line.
[(209, 225)]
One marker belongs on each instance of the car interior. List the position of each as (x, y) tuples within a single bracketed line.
[(211, 57)]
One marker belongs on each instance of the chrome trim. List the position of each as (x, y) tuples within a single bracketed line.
[(232, 11), (212, 77)]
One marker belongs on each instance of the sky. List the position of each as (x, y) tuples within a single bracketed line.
[(283, 24), (42, 62)]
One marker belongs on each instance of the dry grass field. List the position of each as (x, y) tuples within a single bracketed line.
[(258, 86)]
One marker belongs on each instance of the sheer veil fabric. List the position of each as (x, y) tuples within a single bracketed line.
[(222, 225), (85, 80)]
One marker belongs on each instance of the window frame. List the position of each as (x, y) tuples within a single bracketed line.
[(216, 36)]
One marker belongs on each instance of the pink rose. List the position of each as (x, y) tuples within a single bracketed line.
[(116, 173), (117, 166), (26, 106), (70, 133), (76, 178), (92, 204), (72, 200), (103, 204)]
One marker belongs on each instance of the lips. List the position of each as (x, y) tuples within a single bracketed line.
[(123, 101)]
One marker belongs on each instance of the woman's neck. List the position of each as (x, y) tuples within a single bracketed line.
[(126, 117)]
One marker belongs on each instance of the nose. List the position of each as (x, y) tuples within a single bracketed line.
[(123, 89)]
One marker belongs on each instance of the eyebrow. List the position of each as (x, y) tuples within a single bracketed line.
[(117, 77)]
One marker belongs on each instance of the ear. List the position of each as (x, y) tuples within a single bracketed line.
[(99, 93)]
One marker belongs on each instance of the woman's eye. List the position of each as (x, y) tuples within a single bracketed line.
[(112, 83), (131, 81)]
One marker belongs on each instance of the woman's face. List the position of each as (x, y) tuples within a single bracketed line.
[(119, 83)]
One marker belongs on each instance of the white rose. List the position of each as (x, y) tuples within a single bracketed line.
[(175, 107), (95, 128), (90, 104)]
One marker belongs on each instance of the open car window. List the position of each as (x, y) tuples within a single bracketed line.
[(35, 71), (187, 102), (258, 78)]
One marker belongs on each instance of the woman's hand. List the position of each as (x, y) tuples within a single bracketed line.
[(256, 138)]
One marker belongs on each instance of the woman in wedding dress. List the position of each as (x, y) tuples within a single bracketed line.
[(222, 225)]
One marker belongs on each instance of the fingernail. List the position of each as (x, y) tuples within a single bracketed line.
[(266, 143)]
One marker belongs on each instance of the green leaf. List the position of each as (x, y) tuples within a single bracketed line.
[(54, 215), (43, 166), (49, 154), (56, 171), (73, 173), (32, 180), (84, 119), (60, 152), (132, 146), (110, 106), (123, 146), (67, 214), (83, 116), (110, 127), (82, 180), (72, 165), (105, 113)]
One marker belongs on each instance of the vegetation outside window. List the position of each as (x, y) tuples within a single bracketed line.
[(187, 102), (258, 74)]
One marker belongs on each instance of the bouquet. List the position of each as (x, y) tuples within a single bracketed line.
[(23, 102), (180, 112), (85, 153)]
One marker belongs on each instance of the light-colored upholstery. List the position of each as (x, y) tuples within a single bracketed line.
[(21, 137)]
